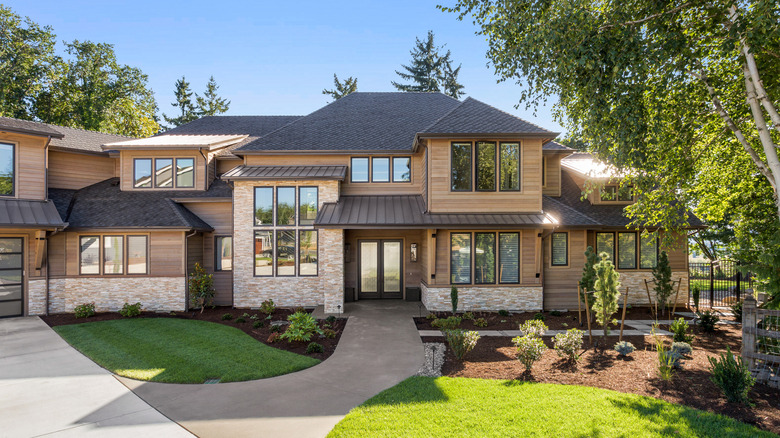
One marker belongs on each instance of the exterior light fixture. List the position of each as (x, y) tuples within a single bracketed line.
[(413, 254)]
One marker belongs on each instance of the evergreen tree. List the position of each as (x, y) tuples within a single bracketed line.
[(606, 297), (211, 104), (430, 71), (342, 88), (662, 273), (588, 279), (187, 110), (450, 83)]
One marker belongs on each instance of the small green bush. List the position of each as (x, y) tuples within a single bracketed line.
[(503, 312), (449, 323), (430, 316), (268, 307), (240, 320), (314, 347), (707, 320), (481, 322), (302, 327), (84, 310), (667, 360), (254, 317), (461, 341), (695, 293), (529, 349), (624, 348), (732, 377), (568, 344), (276, 328), (227, 317), (258, 324), (454, 299), (555, 313), (468, 316), (201, 288), (533, 327), (245, 315), (330, 319), (736, 309), (329, 333), (682, 348), (680, 329), (539, 316), (130, 310)]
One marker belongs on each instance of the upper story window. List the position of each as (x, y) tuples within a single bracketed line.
[(359, 169), (168, 173), (496, 167), (402, 169), (7, 169), (615, 193), (381, 169), (286, 207), (486, 166), (461, 167)]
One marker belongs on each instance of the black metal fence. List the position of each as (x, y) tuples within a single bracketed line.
[(720, 282)]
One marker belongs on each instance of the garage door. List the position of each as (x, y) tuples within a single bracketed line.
[(11, 276)]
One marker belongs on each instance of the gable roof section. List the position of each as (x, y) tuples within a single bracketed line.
[(555, 147), (473, 117), (28, 127), (178, 141), (286, 172), (20, 213)]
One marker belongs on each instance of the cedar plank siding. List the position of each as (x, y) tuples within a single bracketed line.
[(75, 171), (30, 163), (126, 166), (220, 216), (224, 165), (552, 175)]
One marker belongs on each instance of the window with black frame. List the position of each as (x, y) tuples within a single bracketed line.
[(461, 167), (605, 243), (648, 251), (460, 258), (508, 258), (484, 258), (626, 250), (7, 169), (223, 256), (559, 255)]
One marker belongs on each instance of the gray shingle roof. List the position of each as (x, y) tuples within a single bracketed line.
[(28, 127), (286, 172), (553, 145), (475, 117), (63, 138), (19, 213)]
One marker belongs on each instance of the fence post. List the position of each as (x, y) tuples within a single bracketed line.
[(739, 282), (749, 331), (712, 285)]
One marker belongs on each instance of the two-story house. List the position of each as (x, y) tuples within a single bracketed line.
[(374, 196)]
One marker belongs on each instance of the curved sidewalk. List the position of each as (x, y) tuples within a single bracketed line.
[(380, 347)]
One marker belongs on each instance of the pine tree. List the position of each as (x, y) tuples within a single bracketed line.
[(606, 297), (342, 88), (211, 104), (429, 71), (188, 111), (662, 273), (450, 83), (588, 278)]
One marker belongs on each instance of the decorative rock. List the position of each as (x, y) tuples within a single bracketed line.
[(434, 360)]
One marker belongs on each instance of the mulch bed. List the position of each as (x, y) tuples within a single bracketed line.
[(494, 358), (215, 315)]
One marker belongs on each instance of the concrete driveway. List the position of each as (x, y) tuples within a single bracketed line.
[(49, 388)]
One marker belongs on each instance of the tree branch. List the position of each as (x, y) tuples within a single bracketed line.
[(648, 18)]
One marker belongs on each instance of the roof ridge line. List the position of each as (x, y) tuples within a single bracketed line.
[(509, 114), (446, 114)]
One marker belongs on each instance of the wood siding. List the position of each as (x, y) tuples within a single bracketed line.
[(224, 165), (126, 166), (552, 172), (29, 165), (76, 171), (220, 216)]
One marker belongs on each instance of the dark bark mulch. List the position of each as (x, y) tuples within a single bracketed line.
[(494, 358), (215, 315)]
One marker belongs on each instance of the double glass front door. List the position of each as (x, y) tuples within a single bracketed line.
[(381, 269)]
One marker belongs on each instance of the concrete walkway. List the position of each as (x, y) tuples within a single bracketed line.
[(379, 348), (49, 388)]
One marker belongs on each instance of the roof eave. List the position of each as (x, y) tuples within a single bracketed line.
[(34, 132), (241, 152), (547, 136), (280, 178)]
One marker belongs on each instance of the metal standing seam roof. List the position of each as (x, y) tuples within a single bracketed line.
[(26, 214), (286, 172)]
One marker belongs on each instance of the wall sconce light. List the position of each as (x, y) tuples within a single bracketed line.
[(413, 255), (347, 253)]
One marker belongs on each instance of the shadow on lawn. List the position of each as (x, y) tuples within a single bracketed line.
[(413, 390)]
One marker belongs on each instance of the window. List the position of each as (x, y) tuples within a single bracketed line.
[(137, 254), (7, 169), (307, 252), (559, 255), (113, 255), (89, 255), (359, 170), (223, 258), (402, 169), (264, 205), (264, 254), (285, 253), (460, 258), (461, 167), (609, 193), (509, 167), (626, 251), (185, 172), (142, 172), (307, 205), (619, 194), (380, 170), (285, 206), (648, 251), (485, 258), (605, 242), (626, 194), (486, 166), (163, 172), (509, 258)]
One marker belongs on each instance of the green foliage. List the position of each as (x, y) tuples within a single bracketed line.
[(430, 316), (276, 328), (240, 320), (130, 310), (468, 316), (84, 310), (539, 316), (679, 328), (201, 288), (227, 317), (662, 273), (454, 299), (682, 348), (268, 307), (187, 110), (695, 294), (430, 71), (588, 279), (330, 319), (605, 302), (302, 327), (274, 336), (341, 88), (666, 360), (708, 320), (449, 323), (732, 377), (624, 348), (555, 313), (210, 104), (329, 333), (736, 309), (533, 327), (461, 341), (258, 324), (481, 322), (503, 312), (568, 344), (529, 349), (314, 347)]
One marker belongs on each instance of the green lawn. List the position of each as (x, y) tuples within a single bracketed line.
[(455, 407), (179, 351)]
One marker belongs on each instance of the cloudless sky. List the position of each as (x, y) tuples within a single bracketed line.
[(275, 57)]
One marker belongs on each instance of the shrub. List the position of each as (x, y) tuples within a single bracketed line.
[(276, 328), (503, 312), (240, 320), (245, 315), (568, 344), (329, 333), (449, 323), (258, 324), (736, 309), (273, 337), (682, 348), (302, 327), (130, 310), (605, 302), (695, 293), (539, 316), (529, 350), (555, 313), (533, 327), (84, 310), (680, 329), (667, 359), (588, 279), (468, 316), (732, 377), (330, 319), (454, 299), (227, 317), (624, 348), (268, 307), (481, 322), (707, 320), (201, 288), (314, 347), (461, 341), (254, 317), (662, 274)]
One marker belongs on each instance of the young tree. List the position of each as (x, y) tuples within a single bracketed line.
[(211, 104), (605, 302), (341, 88), (430, 71), (588, 279), (662, 274), (187, 110)]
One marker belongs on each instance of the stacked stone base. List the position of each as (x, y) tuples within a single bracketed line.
[(475, 298), (637, 292)]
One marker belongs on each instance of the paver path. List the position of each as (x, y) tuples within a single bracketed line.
[(380, 347), (49, 388)]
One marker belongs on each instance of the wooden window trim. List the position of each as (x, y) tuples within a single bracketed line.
[(392, 169), (317, 252), (496, 167), (389, 169), (471, 165), (127, 254), (519, 166), (568, 246), (103, 255), (471, 258), (217, 255), (352, 170), (151, 177), (14, 165), (519, 258)]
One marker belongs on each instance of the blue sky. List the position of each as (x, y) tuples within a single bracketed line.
[(272, 57)]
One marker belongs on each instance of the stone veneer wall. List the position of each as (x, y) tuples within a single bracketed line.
[(637, 292), (36, 297), (471, 298), (109, 294), (249, 291)]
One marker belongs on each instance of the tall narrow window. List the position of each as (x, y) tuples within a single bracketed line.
[(560, 249), (648, 251), (307, 200), (605, 242), (285, 253), (89, 255), (509, 173), (137, 254), (626, 251), (307, 250), (461, 167), (285, 206), (7, 169), (185, 172), (264, 205), (163, 172), (142, 172), (113, 255), (402, 169), (359, 169), (264, 254), (485, 258), (223, 260), (509, 257), (486, 166), (460, 258), (380, 169)]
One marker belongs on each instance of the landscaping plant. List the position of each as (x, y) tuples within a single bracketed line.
[(539, 316), (302, 327), (468, 316), (568, 344), (736, 309), (130, 310), (707, 320), (258, 324), (588, 279), (329, 333), (227, 317), (530, 348), (330, 319), (268, 307), (84, 310), (680, 329), (555, 313), (666, 360), (449, 323), (201, 288), (695, 293), (314, 347), (481, 322), (624, 348), (240, 320), (732, 376), (454, 299), (682, 348), (273, 338), (461, 341), (662, 274), (430, 316), (503, 312), (533, 327), (605, 302)]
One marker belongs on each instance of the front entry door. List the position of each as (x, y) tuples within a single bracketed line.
[(381, 269), (11, 276)]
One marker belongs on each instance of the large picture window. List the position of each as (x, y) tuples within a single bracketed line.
[(223, 256), (648, 251), (509, 258), (626, 251), (380, 169), (137, 254), (307, 253), (460, 258), (461, 167), (113, 255), (285, 253), (560, 249), (485, 258), (264, 253), (486, 166), (142, 172), (264, 205), (108, 255), (605, 242), (402, 169), (307, 205), (7, 169), (359, 169)]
